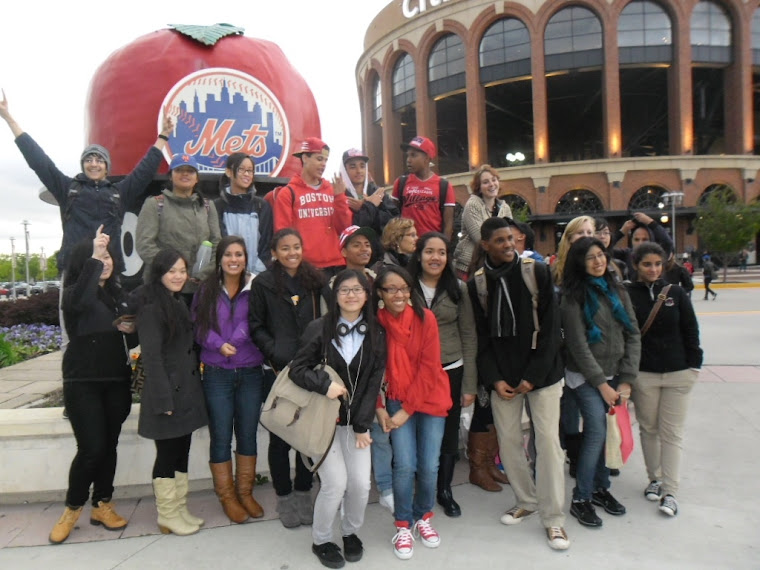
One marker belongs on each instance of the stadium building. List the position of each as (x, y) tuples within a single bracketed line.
[(601, 107)]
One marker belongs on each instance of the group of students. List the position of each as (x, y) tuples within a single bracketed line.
[(335, 272)]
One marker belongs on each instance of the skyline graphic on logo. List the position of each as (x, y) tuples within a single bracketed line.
[(220, 111)]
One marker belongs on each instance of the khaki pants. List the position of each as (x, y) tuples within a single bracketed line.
[(661, 402), (547, 494)]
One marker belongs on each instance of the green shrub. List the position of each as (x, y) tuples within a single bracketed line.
[(8, 354)]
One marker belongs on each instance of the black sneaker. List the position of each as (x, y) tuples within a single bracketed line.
[(329, 554), (352, 548), (585, 513), (603, 498)]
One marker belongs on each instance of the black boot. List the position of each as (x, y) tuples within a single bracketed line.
[(573, 447), (446, 465)]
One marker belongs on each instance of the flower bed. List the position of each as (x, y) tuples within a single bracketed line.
[(22, 342)]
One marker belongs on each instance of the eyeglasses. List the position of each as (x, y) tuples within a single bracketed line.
[(395, 290), (346, 291), (593, 257), (602, 233), (244, 171), (94, 160)]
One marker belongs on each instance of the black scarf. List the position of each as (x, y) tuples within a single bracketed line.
[(504, 325)]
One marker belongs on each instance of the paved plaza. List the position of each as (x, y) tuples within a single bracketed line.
[(715, 527)]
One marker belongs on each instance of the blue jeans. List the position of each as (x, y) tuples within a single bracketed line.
[(233, 399), (592, 473), (382, 458), (416, 447)]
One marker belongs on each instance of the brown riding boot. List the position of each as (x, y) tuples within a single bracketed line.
[(65, 525), (478, 454), (245, 479), (493, 450), (225, 491)]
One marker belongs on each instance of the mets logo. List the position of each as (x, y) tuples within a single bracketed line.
[(220, 111)]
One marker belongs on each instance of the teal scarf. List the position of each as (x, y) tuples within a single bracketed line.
[(597, 285)]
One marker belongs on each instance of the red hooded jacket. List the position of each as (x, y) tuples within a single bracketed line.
[(318, 215)]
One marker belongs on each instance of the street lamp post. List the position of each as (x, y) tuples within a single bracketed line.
[(673, 198), (26, 260), (13, 267)]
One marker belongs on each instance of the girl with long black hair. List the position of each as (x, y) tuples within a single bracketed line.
[(96, 375), (602, 360), (436, 282), (172, 405), (232, 377), (284, 300), (348, 340)]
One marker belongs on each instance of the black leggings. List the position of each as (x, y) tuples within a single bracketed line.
[(481, 418), (279, 468), (96, 411), (450, 442), (171, 455)]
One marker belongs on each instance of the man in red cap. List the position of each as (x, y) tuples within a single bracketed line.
[(424, 196), (314, 207)]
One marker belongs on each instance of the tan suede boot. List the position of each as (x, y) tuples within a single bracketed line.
[(225, 491), (245, 479), (167, 505), (65, 525), (105, 515), (479, 456), (182, 484)]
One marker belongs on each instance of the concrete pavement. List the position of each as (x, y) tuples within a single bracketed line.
[(715, 527)]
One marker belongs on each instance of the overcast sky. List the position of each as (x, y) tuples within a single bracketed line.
[(49, 52)]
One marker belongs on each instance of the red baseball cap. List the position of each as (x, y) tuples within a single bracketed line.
[(355, 231), (423, 144), (311, 144)]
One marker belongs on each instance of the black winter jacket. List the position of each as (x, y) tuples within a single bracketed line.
[(376, 217), (278, 320), (84, 203), (172, 378), (512, 359), (96, 348), (366, 373), (672, 342)]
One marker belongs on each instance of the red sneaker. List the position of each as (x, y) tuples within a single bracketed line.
[(426, 532), (403, 541)]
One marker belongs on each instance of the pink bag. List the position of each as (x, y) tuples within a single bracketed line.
[(619, 445)]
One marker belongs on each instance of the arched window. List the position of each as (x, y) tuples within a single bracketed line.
[(517, 204), (722, 188), (579, 202), (573, 39), (403, 82), (504, 51), (446, 65), (646, 198), (377, 101), (710, 34), (644, 34)]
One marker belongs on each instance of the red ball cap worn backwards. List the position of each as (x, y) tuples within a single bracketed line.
[(310, 145), (423, 144)]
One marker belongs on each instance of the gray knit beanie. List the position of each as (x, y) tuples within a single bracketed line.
[(97, 150)]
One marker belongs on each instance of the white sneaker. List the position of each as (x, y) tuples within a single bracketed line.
[(556, 538), (653, 492), (515, 515), (387, 501), (669, 505)]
